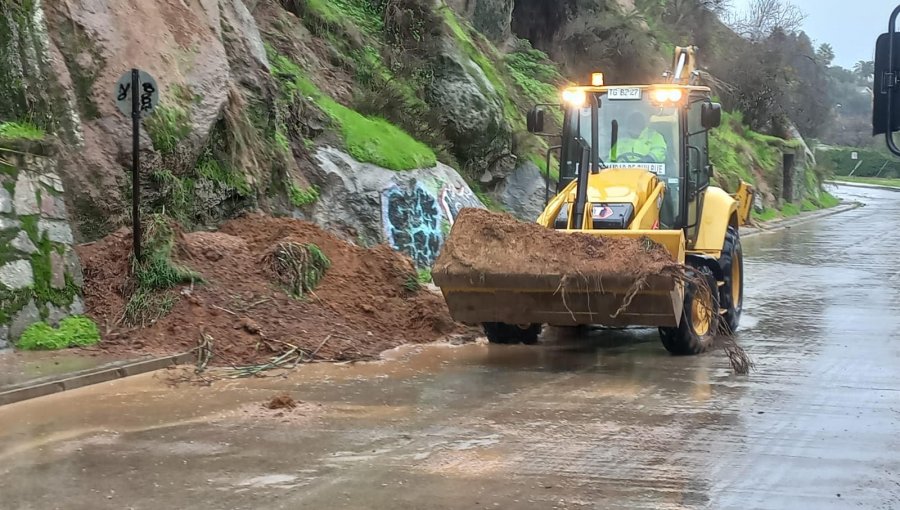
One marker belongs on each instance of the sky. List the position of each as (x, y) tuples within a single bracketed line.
[(850, 26)]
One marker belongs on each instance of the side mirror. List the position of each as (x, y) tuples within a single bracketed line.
[(886, 106), (535, 120), (711, 115)]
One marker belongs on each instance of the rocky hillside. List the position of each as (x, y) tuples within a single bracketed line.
[(378, 119)]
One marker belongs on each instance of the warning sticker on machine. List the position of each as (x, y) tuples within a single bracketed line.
[(656, 168)]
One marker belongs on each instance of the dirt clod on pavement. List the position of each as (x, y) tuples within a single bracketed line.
[(361, 306), (284, 401)]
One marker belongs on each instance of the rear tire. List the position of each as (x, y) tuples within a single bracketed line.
[(500, 333), (732, 263), (699, 320)]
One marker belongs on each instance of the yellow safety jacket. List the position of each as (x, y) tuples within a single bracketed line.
[(649, 143)]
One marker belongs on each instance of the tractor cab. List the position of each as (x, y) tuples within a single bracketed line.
[(620, 133)]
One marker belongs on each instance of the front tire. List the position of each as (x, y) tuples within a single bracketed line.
[(732, 264), (699, 319), (500, 333)]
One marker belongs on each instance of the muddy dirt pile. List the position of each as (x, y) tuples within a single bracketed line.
[(485, 242), (367, 301)]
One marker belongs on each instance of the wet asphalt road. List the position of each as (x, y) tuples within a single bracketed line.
[(609, 421)]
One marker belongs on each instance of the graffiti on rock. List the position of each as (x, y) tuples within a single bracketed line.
[(412, 222), (454, 200)]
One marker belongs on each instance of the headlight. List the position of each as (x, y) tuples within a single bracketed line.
[(574, 98), (667, 95)]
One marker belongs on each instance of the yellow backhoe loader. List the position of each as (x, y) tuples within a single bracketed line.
[(634, 162)]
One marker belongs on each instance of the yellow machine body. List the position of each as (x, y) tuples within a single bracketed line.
[(555, 299)]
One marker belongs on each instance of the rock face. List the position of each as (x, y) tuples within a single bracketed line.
[(412, 211), (41, 277), (523, 192), (490, 17), (218, 94), (17, 275), (472, 112), (201, 53)]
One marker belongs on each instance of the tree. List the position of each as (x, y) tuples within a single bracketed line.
[(771, 82), (864, 69), (681, 13), (825, 54), (763, 17)]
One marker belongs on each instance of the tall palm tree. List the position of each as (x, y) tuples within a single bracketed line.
[(864, 69)]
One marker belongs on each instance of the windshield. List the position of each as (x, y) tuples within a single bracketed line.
[(633, 132)]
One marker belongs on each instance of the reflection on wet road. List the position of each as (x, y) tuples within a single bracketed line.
[(609, 421)]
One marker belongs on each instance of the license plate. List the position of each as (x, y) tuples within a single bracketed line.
[(624, 93)]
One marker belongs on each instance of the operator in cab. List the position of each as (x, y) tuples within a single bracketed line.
[(641, 144)]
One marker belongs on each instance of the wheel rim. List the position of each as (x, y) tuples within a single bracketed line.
[(700, 316), (736, 264)]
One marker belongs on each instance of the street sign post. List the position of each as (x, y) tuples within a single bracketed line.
[(137, 95)]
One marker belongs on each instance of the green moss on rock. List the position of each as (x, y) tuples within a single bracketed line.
[(168, 127), (214, 170), (368, 139), (42, 268), (11, 302), (303, 197)]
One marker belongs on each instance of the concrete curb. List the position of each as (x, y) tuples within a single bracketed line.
[(863, 185), (782, 224), (48, 386)]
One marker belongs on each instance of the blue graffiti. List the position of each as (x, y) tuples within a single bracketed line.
[(412, 223)]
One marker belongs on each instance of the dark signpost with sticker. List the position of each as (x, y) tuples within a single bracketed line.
[(137, 95)]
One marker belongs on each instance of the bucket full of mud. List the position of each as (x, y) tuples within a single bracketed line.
[(496, 269)]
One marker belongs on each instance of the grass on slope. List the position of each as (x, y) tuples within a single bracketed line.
[(825, 200), (20, 131), (533, 74), (369, 139), (735, 150)]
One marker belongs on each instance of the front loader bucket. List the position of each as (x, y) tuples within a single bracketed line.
[(480, 286), (562, 300)]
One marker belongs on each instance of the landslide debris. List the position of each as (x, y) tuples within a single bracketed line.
[(270, 286)]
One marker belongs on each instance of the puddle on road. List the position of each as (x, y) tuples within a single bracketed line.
[(388, 390), (275, 480)]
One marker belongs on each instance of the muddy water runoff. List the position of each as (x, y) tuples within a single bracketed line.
[(607, 421)]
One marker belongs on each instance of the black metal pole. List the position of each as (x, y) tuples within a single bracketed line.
[(547, 189), (889, 132), (136, 162), (592, 165)]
